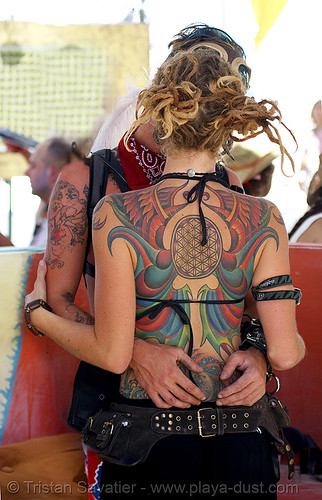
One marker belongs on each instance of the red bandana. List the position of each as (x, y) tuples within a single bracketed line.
[(141, 166)]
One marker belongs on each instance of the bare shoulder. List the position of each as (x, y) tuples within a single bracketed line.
[(276, 216), (72, 186), (76, 173), (313, 234), (267, 206), (102, 212)]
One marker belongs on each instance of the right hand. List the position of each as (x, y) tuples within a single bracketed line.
[(251, 386), (155, 366)]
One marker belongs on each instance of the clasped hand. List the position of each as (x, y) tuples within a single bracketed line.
[(155, 367)]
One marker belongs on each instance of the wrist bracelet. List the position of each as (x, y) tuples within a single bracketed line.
[(252, 335), (34, 304)]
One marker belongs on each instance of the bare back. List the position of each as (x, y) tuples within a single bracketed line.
[(163, 234)]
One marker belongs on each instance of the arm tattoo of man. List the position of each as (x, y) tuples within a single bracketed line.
[(67, 222), (78, 314)]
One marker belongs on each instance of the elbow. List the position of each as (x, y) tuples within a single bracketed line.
[(59, 300), (118, 368), (115, 365), (282, 361), (59, 307), (284, 364)]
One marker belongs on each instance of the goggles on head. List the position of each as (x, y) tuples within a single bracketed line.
[(225, 47)]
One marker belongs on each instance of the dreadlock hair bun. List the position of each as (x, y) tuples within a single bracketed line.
[(197, 101), (173, 105)]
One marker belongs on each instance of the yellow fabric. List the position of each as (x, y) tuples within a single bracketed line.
[(266, 13)]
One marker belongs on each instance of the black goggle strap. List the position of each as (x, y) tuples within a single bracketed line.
[(218, 34), (260, 292)]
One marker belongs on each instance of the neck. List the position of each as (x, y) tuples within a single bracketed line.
[(144, 135), (201, 162)]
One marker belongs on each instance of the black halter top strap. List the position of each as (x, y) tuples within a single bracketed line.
[(196, 193)]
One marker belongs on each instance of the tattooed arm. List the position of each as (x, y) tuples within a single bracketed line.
[(109, 343), (285, 347), (67, 238), (65, 254)]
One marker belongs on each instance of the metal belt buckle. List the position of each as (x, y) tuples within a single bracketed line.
[(200, 428), (108, 428)]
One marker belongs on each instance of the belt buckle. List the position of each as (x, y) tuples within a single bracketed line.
[(200, 423), (108, 428)]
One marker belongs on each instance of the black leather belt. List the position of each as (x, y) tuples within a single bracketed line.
[(207, 421), (125, 434)]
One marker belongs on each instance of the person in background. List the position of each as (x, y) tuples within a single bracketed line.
[(310, 161), (308, 229), (13, 144), (254, 168), (45, 164)]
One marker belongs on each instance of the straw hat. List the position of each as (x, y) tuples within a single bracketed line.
[(249, 161)]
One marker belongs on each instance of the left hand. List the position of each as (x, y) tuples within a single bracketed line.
[(39, 291), (251, 386), (155, 366)]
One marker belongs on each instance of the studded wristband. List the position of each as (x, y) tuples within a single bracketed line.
[(252, 335)]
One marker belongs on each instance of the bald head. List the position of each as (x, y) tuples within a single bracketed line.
[(45, 163)]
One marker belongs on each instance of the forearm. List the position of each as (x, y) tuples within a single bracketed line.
[(63, 305), (78, 339)]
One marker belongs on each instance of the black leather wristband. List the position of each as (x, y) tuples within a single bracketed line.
[(34, 304), (252, 335)]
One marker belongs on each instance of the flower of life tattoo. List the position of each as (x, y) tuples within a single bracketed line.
[(191, 260)]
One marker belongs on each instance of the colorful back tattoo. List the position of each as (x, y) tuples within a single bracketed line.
[(172, 265)]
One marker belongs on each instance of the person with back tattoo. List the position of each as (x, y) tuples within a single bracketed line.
[(69, 253), (174, 262), (69, 247)]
